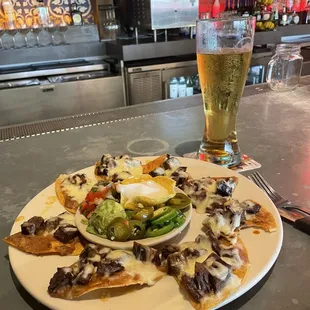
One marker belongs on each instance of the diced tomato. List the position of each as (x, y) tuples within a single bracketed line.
[(83, 206), (86, 208), (91, 196)]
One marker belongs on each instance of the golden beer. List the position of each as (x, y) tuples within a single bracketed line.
[(224, 50), (222, 78)]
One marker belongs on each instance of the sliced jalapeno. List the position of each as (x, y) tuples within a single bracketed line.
[(160, 212), (129, 214), (179, 201), (155, 231), (168, 215), (179, 220), (118, 230), (137, 229), (143, 215)]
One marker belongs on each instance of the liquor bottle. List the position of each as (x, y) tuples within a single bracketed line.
[(43, 15), (257, 12), (216, 8), (189, 86), (276, 17), (9, 13), (182, 87), (284, 17), (294, 18), (174, 88), (76, 15), (289, 5), (266, 14)]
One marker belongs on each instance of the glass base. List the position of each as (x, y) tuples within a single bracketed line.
[(223, 154)]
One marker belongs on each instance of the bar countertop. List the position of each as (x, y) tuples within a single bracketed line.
[(273, 128)]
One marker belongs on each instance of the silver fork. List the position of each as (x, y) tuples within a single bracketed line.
[(277, 199)]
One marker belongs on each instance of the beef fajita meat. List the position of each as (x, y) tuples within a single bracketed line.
[(52, 223), (89, 251), (175, 262), (61, 279), (171, 163), (108, 267), (78, 179), (210, 276), (145, 253), (169, 249), (219, 271), (250, 206), (180, 176), (198, 285), (32, 226), (157, 172), (225, 187), (85, 275), (66, 233), (192, 253)]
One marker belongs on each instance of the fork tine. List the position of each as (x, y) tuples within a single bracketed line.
[(277, 196), (254, 180), (263, 187)]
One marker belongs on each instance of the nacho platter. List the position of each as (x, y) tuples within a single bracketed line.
[(165, 294)]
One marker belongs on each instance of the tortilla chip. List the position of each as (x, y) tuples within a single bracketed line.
[(156, 163), (261, 220), (212, 300), (120, 279), (44, 245)]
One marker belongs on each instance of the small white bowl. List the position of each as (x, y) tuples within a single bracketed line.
[(80, 218)]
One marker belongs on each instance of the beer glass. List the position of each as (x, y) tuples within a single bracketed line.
[(224, 49)]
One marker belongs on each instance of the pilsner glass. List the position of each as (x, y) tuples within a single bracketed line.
[(224, 50)]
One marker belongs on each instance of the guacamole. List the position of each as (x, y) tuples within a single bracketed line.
[(103, 215)]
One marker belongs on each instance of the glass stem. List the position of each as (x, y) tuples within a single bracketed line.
[(64, 38), (14, 42), (26, 40), (53, 39), (1, 44)]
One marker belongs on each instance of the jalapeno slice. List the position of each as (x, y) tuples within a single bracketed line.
[(160, 212), (143, 215), (179, 220), (155, 231), (179, 201), (165, 216), (129, 214), (118, 230), (137, 229)]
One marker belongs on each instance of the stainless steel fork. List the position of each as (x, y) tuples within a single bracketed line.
[(277, 199)]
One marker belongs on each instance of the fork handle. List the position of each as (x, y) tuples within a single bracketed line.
[(303, 224)]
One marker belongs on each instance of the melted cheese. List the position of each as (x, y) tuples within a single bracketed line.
[(125, 164), (217, 270), (147, 271), (210, 185), (230, 285), (189, 267), (77, 192), (67, 218), (235, 261), (204, 205), (204, 244), (148, 189), (222, 223)]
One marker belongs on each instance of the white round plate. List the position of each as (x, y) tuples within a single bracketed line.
[(80, 218), (34, 272)]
